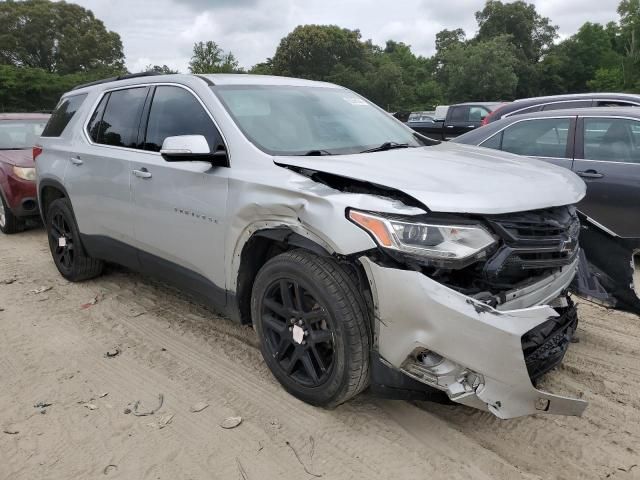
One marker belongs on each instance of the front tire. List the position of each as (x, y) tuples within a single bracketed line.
[(9, 223), (312, 325), (67, 251)]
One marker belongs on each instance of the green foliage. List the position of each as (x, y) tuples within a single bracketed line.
[(160, 69), (24, 89), (481, 70), (208, 57), (57, 37)]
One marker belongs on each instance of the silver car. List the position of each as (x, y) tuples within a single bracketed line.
[(363, 253)]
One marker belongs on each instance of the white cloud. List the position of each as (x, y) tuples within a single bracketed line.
[(163, 31)]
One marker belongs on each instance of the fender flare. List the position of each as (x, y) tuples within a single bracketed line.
[(48, 182)]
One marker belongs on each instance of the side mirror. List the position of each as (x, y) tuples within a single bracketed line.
[(190, 148)]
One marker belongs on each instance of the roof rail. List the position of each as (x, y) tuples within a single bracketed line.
[(119, 77)]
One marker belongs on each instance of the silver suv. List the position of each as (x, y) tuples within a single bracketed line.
[(363, 253)]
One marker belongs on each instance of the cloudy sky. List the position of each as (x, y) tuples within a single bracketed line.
[(163, 31)]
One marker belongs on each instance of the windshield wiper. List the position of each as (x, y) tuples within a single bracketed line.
[(387, 146), (317, 153)]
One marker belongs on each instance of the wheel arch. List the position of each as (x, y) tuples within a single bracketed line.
[(48, 191), (266, 243)]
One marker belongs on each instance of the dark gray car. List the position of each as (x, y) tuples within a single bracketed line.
[(602, 145)]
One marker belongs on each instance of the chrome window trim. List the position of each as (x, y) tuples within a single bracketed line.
[(599, 225), (542, 105), (559, 117), (140, 85)]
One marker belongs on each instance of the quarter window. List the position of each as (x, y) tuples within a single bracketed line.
[(572, 104), (62, 115), (538, 138), (175, 111), (96, 124), (121, 118), (612, 139)]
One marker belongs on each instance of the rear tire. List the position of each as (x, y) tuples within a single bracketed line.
[(67, 251), (312, 326), (9, 223)]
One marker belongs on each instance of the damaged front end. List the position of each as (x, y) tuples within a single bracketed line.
[(483, 331)]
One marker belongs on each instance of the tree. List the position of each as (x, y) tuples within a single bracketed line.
[(577, 59), (530, 33), (480, 71), (57, 37), (208, 57), (160, 69), (314, 51)]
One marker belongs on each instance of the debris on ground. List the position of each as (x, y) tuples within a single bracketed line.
[(91, 406), (134, 313), (10, 431), (114, 352), (241, 470), (231, 422), (39, 290), (109, 468), (198, 407), (42, 405), (166, 420), (127, 411), (9, 281), (317, 475), (135, 411), (312, 450), (102, 395), (1, 309), (91, 303)]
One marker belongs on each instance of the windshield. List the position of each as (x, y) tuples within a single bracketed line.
[(286, 120), (20, 134)]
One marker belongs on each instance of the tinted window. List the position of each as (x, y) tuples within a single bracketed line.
[(459, 114), (175, 111), (493, 142), (95, 124), (573, 104), (538, 138), (614, 103), (62, 115), (121, 119), (612, 139), (19, 134)]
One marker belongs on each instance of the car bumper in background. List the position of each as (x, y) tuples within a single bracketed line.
[(473, 352), (21, 196)]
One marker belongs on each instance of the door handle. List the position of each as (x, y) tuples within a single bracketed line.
[(76, 161), (471, 126), (590, 174), (142, 173), (449, 126)]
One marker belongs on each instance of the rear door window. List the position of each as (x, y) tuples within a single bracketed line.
[(96, 125), (612, 139), (175, 111), (62, 115), (121, 118), (538, 138)]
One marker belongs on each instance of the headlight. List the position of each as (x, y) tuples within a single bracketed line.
[(25, 173), (434, 242)]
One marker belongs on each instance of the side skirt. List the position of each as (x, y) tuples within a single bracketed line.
[(195, 285)]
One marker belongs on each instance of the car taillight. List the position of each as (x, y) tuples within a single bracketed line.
[(36, 151), (485, 120)]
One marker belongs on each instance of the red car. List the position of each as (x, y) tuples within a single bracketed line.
[(18, 198)]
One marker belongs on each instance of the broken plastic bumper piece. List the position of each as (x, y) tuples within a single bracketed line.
[(480, 356)]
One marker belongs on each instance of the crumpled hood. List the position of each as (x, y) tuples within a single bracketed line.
[(19, 158), (457, 178)]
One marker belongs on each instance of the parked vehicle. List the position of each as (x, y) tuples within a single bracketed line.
[(602, 145), (458, 119), (562, 102), (307, 211), (18, 134)]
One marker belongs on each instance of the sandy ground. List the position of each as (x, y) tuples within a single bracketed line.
[(52, 350)]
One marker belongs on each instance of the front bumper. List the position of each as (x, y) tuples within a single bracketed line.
[(21, 196), (482, 346)]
